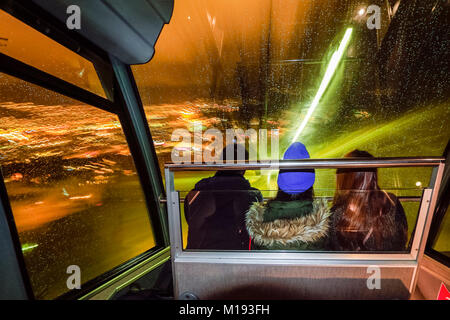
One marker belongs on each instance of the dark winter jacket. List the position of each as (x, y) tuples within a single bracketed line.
[(288, 225), (394, 232), (215, 212)]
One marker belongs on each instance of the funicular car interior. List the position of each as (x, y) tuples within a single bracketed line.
[(88, 183)]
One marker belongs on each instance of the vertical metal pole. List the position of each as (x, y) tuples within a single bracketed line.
[(174, 227), (134, 124), (435, 184), (421, 219), (169, 178)]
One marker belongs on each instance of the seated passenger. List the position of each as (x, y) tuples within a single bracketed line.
[(365, 218), (215, 209), (292, 220)]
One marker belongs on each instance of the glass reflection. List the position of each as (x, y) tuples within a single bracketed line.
[(72, 185), (272, 65), (27, 45), (263, 64)]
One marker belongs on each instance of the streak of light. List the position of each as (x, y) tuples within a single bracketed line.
[(334, 62), (91, 166), (29, 246), (186, 112), (81, 197), (110, 162), (64, 192), (13, 136), (158, 143), (108, 126), (98, 164), (48, 144), (269, 177)]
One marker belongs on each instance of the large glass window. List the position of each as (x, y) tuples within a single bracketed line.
[(72, 184), (320, 72), (25, 44), (214, 215), (271, 64)]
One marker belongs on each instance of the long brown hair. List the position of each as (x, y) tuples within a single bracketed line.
[(363, 206)]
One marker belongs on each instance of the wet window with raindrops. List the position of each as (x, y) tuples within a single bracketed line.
[(336, 75), (72, 184)]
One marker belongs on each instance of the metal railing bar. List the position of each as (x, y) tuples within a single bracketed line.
[(311, 164), (402, 199)]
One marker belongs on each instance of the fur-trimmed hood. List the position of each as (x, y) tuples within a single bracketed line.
[(305, 229)]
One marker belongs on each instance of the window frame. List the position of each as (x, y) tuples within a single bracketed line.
[(123, 101), (438, 219), (414, 254), (302, 259), (442, 204), (35, 17)]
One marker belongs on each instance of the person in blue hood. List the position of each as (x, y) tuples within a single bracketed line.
[(215, 209), (293, 220)]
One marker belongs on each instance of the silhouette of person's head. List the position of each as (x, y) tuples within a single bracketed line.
[(233, 153)]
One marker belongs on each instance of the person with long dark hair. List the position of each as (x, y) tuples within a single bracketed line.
[(293, 220), (365, 218)]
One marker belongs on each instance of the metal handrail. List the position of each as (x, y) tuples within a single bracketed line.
[(400, 198), (311, 164)]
